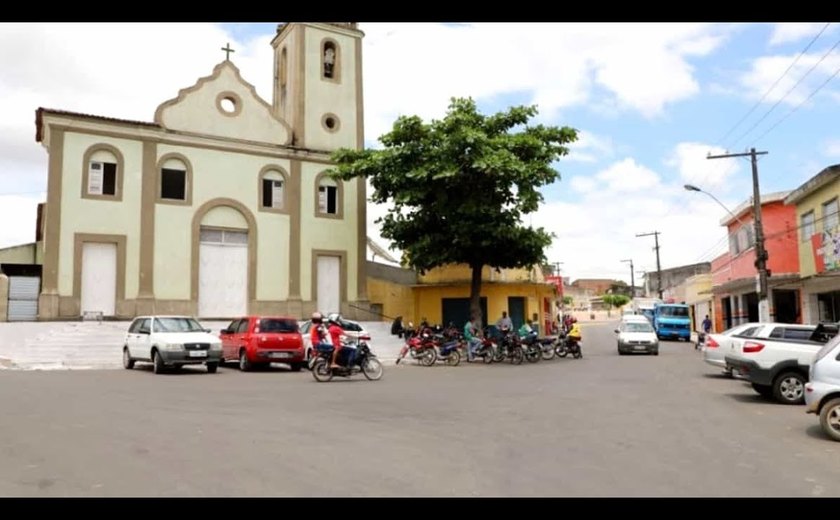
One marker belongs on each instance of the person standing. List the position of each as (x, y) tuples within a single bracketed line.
[(504, 321)]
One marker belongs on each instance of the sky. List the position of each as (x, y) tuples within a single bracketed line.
[(650, 101)]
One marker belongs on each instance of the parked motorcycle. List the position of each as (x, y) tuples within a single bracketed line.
[(449, 344), (421, 347), (531, 347), (510, 347), (487, 350), (364, 362)]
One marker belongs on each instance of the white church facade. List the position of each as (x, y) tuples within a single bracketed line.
[(220, 206)]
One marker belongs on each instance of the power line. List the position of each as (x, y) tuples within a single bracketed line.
[(824, 56), (799, 105), (773, 86)]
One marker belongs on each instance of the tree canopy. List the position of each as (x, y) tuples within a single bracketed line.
[(460, 186)]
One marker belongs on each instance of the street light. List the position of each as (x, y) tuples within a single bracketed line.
[(691, 187), (760, 252), (632, 279)]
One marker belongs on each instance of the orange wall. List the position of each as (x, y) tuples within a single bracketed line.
[(779, 224)]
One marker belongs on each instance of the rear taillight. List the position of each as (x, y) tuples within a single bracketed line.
[(364, 338), (752, 346), (711, 343)]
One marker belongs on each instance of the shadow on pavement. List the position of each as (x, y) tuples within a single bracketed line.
[(815, 431)]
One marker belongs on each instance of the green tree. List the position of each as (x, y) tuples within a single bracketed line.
[(568, 300), (615, 300), (460, 186)]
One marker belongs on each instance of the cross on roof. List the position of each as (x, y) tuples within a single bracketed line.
[(227, 50)]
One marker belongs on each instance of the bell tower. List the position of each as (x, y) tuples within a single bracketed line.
[(318, 84)]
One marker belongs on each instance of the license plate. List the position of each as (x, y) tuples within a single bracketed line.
[(198, 353), (280, 354), (639, 347)]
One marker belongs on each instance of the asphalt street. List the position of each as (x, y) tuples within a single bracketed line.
[(604, 425)]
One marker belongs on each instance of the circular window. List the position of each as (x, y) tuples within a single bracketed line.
[(330, 122), (228, 105)]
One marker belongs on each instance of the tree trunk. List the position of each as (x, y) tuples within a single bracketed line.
[(475, 296)]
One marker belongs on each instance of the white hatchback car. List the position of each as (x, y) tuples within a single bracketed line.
[(636, 334), (822, 391), (170, 341)]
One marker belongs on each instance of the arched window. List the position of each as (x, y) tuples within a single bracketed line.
[(284, 75), (102, 174), (330, 60), (329, 195), (174, 179), (273, 188)]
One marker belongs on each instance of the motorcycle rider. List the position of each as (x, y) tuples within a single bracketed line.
[(473, 341), (574, 332), (318, 332), (335, 332)]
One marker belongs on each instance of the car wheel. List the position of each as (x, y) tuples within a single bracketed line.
[(830, 419), (157, 361), (655, 352), (128, 363), (789, 388), (212, 367), (296, 367), (244, 364)]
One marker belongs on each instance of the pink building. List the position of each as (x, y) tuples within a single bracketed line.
[(734, 274)]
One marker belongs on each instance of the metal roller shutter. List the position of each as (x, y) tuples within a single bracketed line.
[(23, 298)]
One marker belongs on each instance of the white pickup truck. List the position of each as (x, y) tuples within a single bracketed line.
[(776, 358)]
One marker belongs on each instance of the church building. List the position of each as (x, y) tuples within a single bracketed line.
[(220, 206)]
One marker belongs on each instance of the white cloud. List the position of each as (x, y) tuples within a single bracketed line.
[(640, 67), (582, 184), (590, 148), (627, 176), (689, 159), (766, 70), (597, 231), (831, 148), (792, 32)]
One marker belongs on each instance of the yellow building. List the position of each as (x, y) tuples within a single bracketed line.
[(220, 206), (818, 240), (442, 295), (697, 292)]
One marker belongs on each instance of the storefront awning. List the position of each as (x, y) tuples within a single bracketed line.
[(749, 284)]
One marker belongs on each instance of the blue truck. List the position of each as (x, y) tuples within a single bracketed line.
[(672, 320)]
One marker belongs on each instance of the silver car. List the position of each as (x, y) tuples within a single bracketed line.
[(822, 392)]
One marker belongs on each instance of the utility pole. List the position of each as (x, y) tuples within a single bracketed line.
[(658, 267), (761, 255), (632, 279)]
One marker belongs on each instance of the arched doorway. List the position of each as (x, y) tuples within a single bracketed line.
[(224, 238)]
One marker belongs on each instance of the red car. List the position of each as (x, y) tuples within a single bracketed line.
[(259, 340)]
